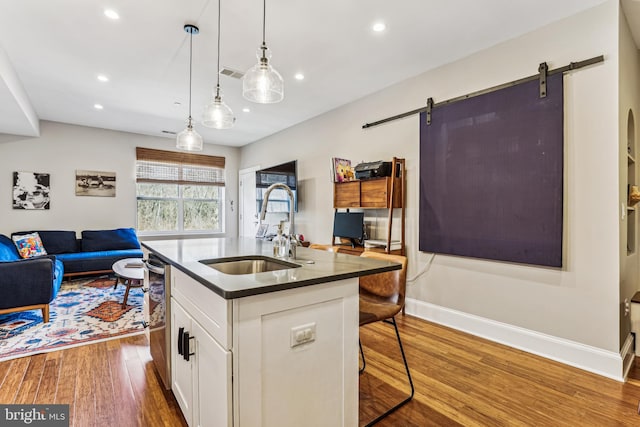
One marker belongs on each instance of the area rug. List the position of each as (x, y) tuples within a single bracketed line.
[(85, 311)]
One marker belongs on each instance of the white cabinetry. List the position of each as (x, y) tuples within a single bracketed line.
[(182, 370), (279, 359), (295, 357), (201, 366)]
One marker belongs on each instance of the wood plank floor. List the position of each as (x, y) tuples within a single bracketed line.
[(112, 383), (464, 380), (460, 380)]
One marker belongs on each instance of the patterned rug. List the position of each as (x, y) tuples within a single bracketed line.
[(85, 311)]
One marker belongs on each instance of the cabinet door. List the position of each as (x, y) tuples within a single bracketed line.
[(212, 381), (375, 193), (346, 194), (181, 370)]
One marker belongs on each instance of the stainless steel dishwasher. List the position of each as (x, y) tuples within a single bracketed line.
[(158, 314)]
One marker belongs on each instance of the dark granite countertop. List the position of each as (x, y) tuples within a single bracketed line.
[(316, 266)]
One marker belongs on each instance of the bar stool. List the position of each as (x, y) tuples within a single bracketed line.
[(381, 298)]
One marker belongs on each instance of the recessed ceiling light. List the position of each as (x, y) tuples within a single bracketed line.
[(246, 110), (299, 76), (98, 106), (103, 78), (111, 14), (379, 27)]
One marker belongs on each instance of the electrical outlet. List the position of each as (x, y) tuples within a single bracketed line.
[(627, 307), (303, 334)]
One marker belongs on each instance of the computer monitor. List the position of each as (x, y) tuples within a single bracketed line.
[(349, 225)]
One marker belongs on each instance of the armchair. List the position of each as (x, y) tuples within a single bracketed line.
[(27, 284)]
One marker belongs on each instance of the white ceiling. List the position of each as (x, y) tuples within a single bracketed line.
[(57, 48)]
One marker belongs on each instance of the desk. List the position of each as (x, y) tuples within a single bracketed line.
[(357, 250)]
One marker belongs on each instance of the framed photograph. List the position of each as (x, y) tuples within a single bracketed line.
[(31, 190), (95, 183)]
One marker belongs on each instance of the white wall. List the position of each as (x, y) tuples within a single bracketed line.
[(63, 148), (629, 100), (578, 303)]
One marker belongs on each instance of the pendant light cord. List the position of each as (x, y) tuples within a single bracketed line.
[(264, 25), (190, 69), (264, 20), (218, 69)]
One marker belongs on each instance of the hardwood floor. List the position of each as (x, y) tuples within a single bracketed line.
[(112, 383), (459, 380), (464, 380)]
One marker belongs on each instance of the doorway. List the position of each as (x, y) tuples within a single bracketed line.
[(247, 213)]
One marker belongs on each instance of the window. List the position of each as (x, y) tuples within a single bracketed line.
[(179, 192)]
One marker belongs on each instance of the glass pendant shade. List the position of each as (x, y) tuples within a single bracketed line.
[(189, 139), (218, 115), (262, 83)]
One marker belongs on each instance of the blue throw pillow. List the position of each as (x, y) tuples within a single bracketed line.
[(55, 242), (109, 240)]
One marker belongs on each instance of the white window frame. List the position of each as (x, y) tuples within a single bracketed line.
[(180, 202)]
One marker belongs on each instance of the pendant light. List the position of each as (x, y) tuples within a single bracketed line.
[(189, 139), (262, 83), (217, 114)]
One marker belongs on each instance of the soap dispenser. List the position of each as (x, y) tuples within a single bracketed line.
[(279, 245)]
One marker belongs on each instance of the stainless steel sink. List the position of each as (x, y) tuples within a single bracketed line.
[(248, 264)]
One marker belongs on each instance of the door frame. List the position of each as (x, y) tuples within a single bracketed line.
[(241, 207)]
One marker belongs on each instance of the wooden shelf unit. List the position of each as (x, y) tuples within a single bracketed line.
[(375, 193)]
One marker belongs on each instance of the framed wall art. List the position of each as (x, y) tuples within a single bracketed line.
[(95, 183), (31, 190)]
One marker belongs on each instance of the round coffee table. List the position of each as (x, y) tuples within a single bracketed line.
[(130, 272)]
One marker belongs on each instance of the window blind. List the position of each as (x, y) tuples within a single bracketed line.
[(170, 167)]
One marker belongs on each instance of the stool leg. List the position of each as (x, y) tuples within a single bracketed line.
[(406, 366)]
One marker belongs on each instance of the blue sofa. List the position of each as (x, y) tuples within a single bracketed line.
[(28, 284), (94, 253)]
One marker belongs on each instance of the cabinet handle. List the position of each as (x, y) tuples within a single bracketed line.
[(145, 290), (185, 346), (145, 324), (180, 340)]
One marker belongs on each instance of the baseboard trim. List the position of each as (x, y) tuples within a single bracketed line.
[(602, 362)]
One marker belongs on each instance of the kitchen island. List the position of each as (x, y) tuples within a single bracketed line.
[(273, 348)]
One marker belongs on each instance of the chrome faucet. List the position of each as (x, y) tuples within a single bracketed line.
[(293, 241)]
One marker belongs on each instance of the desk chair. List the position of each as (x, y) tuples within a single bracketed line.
[(381, 298)]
